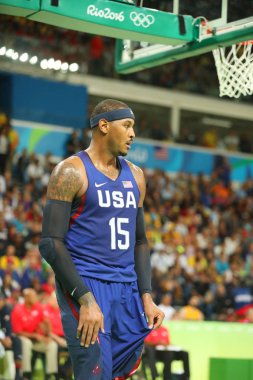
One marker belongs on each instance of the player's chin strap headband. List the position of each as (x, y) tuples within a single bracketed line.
[(118, 114)]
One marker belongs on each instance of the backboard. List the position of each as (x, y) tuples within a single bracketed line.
[(216, 23), (19, 7), (109, 18)]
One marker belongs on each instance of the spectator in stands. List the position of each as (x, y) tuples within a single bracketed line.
[(51, 312), (221, 262), (49, 286), (72, 144), (34, 171), (29, 323), (13, 139), (210, 138), (222, 303), (21, 165), (165, 306), (3, 233), (85, 138), (248, 256), (4, 143), (220, 193), (242, 297), (9, 340), (2, 186), (32, 270), (186, 137), (33, 241), (248, 316), (191, 312), (245, 144), (96, 56), (158, 347), (10, 282), (158, 133), (163, 256), (10, 257)]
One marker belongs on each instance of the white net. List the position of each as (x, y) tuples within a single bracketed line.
[(235, 69)]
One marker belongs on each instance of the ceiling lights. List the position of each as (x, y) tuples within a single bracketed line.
[(45, 63)]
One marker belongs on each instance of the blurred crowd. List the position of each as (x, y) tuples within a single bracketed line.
[(208, 138), (201, 235), (197, 74), (233, 140)]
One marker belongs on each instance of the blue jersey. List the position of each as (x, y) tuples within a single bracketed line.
[(101, 235)]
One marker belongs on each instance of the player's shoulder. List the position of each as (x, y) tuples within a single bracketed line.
[(138, 176), (72, 163), (67, 180), (135, 169)]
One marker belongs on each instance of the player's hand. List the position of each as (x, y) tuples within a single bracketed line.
[(91, 320), (154, 315)]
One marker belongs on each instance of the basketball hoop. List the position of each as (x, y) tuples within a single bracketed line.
[(235, 69)]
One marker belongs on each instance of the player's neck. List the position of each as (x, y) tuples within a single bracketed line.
[(101, 156)]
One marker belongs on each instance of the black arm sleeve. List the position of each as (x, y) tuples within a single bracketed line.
[(142, 255), (55, 224)]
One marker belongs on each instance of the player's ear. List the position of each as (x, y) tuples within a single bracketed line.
[(103, 125)]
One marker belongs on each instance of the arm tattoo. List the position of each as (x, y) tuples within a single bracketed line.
[(64, 183)]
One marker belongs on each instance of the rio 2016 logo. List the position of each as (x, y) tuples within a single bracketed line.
[(139, 19), (105, 13)]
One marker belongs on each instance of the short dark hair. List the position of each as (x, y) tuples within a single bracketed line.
[(108, 105)]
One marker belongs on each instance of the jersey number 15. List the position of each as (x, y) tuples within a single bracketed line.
[(119, 236)]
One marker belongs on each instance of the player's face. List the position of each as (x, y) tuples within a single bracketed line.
[(121, 136)]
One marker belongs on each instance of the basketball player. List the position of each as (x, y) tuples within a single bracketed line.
[(93, 236)]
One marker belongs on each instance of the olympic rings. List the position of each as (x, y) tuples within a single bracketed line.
[(140, 19)]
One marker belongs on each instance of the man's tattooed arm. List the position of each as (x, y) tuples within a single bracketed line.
[(65, 182)]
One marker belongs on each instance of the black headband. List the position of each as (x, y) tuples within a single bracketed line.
[(118, 114)]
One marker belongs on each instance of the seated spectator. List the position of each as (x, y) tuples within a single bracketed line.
[(161, 259), (191, 312), (85, 138), (32, 242), (34, 171), (231, 141), (8, 340), (165, 306), (72, 144), (3, 233), (49, 286), (210, 138), (51, 312), (242, 297), (10, 253), (248, 316), (10, 265), (4, 146), (33, 269), (221, 263), (22, 161), (29, 323), (222, 302), (158, 348), (9, 283)]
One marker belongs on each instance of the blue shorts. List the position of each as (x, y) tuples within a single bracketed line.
[(117, 352)]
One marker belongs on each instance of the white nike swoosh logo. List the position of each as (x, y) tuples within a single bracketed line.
[(72, 293), (100, 184)]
